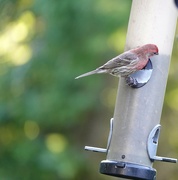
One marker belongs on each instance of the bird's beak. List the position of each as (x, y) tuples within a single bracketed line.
[(156, 53)]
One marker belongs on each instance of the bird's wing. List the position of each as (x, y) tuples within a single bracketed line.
[(120, 60)]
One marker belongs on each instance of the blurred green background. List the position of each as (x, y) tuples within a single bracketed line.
[(47, 117)]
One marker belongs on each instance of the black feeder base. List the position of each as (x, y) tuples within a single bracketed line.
[(127, 170)]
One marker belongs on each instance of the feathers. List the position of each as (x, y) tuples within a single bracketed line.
[(96, 71), (87, 74)]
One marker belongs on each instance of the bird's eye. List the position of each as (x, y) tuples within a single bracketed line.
[(156, 53)]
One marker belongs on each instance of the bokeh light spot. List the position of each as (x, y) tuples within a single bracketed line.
[(20, 55), (56, 143), (20, 32), (13, 39), (172, 99), (31, 129), (117, 40)]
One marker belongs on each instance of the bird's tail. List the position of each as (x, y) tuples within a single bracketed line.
[(96, 71)]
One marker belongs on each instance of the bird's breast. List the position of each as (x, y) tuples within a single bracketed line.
[(141, 64)]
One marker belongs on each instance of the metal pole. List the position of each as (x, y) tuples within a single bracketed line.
[(138, 111)]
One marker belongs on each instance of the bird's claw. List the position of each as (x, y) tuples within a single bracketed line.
[(131, 81)]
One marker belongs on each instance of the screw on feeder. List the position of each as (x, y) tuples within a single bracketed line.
[(123, 156)]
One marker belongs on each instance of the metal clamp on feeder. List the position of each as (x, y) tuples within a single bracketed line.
[(102, 150), (152, 145), (140, 78)]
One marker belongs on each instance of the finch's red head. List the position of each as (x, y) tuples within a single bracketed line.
[(150, 50), (147, 50)]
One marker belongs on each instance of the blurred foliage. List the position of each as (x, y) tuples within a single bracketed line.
[(46, 117)]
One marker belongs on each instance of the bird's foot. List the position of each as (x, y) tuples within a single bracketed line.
[(131, 81)]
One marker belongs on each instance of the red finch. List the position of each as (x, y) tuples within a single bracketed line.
[(127, 63)]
